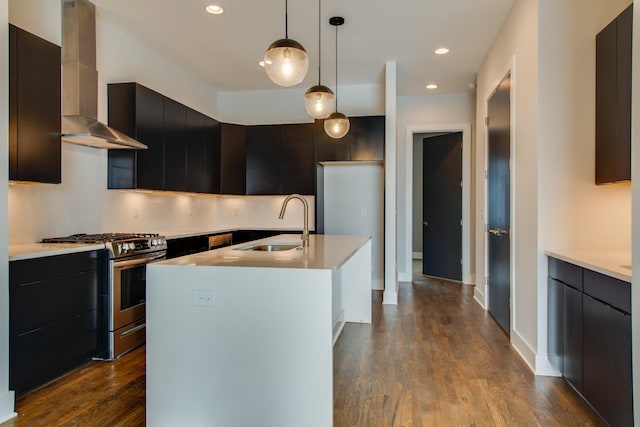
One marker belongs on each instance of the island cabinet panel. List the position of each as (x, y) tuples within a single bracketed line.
[(34, 108), (591, 315), (233, 164), (263, 159), (175, 145), (366, 138), (56, 316), (613, 100), (297, 171)]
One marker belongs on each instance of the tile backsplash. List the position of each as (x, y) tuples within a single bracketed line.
[(82, 204)]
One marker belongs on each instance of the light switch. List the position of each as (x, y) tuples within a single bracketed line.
[(203, 298)]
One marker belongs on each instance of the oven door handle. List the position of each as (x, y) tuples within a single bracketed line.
[(138, 261)]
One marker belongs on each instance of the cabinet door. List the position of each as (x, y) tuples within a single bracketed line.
[(149, 114), (196, 151), (595, 357), (572, 339), (263, 159), (34, 108), (121, 164), (297, 168), (624, 36), (366, 138), (621, 396), (233, 152), (555, 327), (329, 149), (175, 145), (213, 155)]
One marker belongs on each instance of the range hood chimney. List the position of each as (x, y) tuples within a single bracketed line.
[(80, 123)]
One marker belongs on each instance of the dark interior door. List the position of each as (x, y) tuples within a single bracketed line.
[(498, 207), (442, 206)]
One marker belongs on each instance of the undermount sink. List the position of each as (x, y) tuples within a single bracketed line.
[(628, 267), (271, 247)]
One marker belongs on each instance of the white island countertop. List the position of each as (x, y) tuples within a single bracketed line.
[(325, 252), (615, 264)]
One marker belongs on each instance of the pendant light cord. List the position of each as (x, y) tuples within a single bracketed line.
[(336, 69), (319, 41), (286, 19)]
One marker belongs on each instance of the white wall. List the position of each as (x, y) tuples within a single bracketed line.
[(6, 396), (428, 110), (550, 48), (287, 105)]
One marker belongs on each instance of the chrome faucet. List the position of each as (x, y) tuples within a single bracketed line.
[(305, 230)]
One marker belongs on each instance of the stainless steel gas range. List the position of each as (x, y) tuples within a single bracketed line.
[(129, 253)]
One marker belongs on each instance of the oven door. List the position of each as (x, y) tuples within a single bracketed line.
[(128, 289)]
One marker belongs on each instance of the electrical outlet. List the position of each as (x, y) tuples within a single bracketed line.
[(203, 298)]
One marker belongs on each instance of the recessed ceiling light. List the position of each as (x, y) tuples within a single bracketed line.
[(214, 9), (432, 86), (441, 51)]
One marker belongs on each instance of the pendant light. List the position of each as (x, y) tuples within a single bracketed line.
[(285, 61), (319, 100), (337, 124)]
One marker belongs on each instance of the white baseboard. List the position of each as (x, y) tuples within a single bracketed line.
[(390, 297), (417, 255), (377, 284), (544, 367), (479, 297), (405, 277), (523, 348), (7, 401)]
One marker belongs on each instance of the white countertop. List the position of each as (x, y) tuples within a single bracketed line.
[(37, 250), (325, 252), (616, 264)]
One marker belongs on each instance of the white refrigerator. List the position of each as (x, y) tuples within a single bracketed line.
[(350, 200)]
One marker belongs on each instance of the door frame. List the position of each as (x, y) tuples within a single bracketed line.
[(509, 70), (465, 128)]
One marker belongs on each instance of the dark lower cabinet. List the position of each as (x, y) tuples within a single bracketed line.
[(572, 337), (607, 361), (187, 246), (34, 108), (56, 316), (589, 338)]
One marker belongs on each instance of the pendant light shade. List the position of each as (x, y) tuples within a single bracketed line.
[(336, 125), (286, 62), (319, 100)]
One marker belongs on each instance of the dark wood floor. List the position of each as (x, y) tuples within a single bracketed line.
[(436, 359)]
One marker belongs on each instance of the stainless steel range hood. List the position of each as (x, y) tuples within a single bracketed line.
[(80, 123)]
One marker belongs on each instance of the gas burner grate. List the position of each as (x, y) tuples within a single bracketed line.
[(98, 238)]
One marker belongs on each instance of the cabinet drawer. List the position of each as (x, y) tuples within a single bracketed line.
[(614, 292), (46, 268), (567, 273)]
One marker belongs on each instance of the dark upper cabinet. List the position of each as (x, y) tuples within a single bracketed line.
[(366, 138), (329, 149), (183, 145), (34, 108), (175, 145), (233, 154), (297, 171), (613, 100), (263, 159), (138, 112)]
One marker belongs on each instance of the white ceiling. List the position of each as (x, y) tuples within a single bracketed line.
[(224, 50)]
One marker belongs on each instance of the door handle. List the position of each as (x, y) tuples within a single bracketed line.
[(499, 232), (425, 223)]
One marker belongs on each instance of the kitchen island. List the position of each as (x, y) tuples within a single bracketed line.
[(239, 337)]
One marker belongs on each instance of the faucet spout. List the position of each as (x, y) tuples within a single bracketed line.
[(305, 229)]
